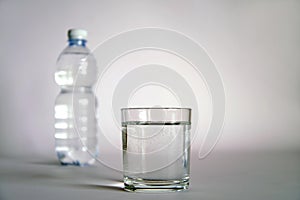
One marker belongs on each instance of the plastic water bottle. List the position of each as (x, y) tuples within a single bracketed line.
[(75, 106)]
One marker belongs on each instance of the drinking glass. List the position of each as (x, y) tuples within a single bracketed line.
[(156, 149)]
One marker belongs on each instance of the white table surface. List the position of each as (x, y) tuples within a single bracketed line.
[(256, 175)]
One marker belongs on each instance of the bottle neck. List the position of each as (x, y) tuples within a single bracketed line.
[(77, 42)]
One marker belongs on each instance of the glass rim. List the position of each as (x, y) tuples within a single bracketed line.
[(156, 108)]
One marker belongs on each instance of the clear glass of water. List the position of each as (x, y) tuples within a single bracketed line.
[(156, 149)]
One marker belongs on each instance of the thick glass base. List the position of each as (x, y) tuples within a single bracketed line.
[(146, 185)]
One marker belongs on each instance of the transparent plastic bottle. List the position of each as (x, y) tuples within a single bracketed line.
[(75, 106)]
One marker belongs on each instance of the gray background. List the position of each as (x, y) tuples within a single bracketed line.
[(254, 44)]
